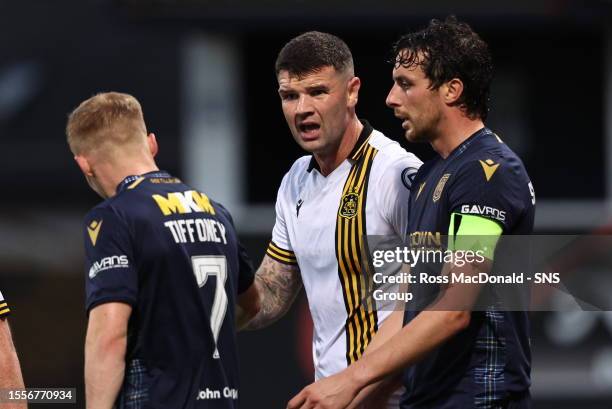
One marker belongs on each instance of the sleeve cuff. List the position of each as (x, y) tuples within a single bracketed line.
[(5, 311), (93, 304), (281, 255)]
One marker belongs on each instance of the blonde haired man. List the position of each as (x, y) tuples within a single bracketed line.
[(164, 270)]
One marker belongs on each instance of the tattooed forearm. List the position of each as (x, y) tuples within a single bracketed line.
[(278, 285)]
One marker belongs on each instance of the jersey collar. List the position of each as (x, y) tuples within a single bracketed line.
[(464, 145), (358, 149), (133, 180)]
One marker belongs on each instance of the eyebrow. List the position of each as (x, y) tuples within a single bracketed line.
[(401, 77), (282, 88), (317, 87), (309, 88)]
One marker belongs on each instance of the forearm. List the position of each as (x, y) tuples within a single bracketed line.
[(391, 326), (445, 317), (104, 372), (10, 370), (377, 394), (247, 306), (388, 329), (273, 305), (278, 285), (425, 332)]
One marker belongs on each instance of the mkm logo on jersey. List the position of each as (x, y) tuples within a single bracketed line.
[(184, 202)]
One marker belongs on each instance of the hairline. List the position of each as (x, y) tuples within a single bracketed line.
[(349, 70)]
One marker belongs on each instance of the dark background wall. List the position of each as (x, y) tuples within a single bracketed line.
[(548, 103)]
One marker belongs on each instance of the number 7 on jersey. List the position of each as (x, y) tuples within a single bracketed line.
[(203, 267)]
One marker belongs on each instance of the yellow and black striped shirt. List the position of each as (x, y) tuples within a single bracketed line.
[(321, 222)]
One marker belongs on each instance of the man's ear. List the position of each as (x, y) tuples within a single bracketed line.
[(353, 91), (152, 142), (452, 91), (84, 165)]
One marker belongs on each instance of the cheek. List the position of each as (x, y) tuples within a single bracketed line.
[(337, 111), (288, 113)]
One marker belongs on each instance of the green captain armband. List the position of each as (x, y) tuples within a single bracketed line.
[(473, 232)]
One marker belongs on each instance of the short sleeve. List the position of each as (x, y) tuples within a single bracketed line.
[(5, 311), (280, 248), (492, 188), (393, 191), (111, 275)]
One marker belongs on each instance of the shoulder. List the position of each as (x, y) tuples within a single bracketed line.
[(492, 161), (108, 212), (490, 172), (391, 153), (392, 159), (297, 171), (300, 165), (108, 206)]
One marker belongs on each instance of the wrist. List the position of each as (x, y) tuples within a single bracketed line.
[(357, 374)]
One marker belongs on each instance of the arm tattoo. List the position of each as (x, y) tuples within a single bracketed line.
[(278, 285)]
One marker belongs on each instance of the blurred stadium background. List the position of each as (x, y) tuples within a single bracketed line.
[(203, 71)]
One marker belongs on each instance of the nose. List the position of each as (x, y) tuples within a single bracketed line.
[(304, 105), (392, 99)]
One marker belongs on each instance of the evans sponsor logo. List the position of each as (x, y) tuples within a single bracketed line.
[(484, 211), (107, 263)]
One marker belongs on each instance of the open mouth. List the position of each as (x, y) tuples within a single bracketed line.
[(309, 131), (306, 128)]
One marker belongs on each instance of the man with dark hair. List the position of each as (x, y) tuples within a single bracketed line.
[(355, 183), (164, 271), (451, 357)]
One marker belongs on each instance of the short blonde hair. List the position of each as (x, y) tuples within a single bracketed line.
[(109, 119)]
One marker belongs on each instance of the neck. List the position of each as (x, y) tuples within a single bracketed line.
[(329, 162), (454, 133), (116, 174)]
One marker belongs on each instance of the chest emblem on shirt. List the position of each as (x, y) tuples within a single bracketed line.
[(297, 207), (349, 206), (93, 229), (489, 168), (440, 186)]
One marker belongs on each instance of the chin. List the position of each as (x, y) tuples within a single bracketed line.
[(410, 137), (416, 137), (310, 146)]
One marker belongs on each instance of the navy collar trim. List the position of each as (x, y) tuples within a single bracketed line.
[(133, 180)]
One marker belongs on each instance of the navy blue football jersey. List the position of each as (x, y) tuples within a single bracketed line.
[(490, 360), (172, 254)]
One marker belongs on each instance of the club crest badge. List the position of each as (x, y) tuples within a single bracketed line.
[(350, 202), (440, 186), (408, 175)]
